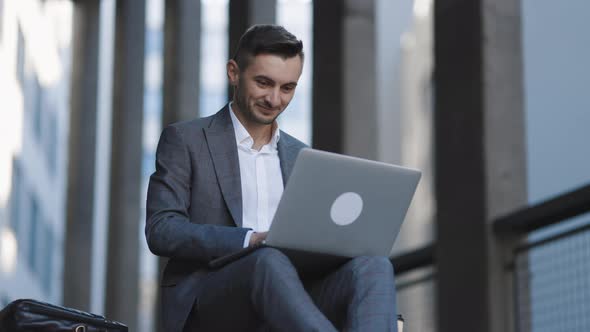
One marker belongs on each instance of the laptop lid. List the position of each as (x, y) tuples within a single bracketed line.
[(341, 205)]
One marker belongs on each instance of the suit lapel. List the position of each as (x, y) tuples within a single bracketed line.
[(287, 156), (221, 141)]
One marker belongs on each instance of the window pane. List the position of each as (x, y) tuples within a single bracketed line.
[(20, 57), (1, 20), (152, 117), (15, 198), (557, 77), (34, 227), (47, 254), (214, 30), (296, 16)]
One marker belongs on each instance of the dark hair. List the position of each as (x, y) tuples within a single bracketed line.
[(266, 39)]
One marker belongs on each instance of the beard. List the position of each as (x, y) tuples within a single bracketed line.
[(248, 112)]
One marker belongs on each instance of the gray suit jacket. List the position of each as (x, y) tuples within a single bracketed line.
[(194, 205)]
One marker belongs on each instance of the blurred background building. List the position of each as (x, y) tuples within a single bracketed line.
[(488, 98), (35, 53)]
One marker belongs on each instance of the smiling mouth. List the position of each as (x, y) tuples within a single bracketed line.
[(266, 109)]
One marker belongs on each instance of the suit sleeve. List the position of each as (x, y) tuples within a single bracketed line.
[(168, 230)]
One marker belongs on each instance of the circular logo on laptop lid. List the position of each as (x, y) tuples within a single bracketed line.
[(346, 208)]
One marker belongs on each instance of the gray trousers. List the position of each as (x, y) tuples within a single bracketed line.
[(263, 291)]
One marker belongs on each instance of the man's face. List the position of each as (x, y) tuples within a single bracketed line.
[(265, 87)]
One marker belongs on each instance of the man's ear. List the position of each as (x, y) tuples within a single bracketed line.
[(233, 72)]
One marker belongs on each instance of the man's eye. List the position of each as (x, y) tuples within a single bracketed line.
[(288, 88), (263, 83)]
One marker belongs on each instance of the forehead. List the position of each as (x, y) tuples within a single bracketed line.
[(279, 69)]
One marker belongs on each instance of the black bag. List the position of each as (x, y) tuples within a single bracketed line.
[(33, 316)]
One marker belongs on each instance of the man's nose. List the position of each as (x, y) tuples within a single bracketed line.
[(274, 98)]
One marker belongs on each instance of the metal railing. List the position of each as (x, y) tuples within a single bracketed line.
[(523, 221), (413, 260), (416, 285), (544, 214), (551, 272)]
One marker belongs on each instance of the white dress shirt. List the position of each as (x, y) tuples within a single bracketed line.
[(261, 177)]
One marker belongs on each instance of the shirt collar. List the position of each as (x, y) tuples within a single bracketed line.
[(243, 137)]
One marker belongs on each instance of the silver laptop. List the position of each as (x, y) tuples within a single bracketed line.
[(338, 206)]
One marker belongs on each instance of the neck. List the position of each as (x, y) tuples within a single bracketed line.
[(261, 133)]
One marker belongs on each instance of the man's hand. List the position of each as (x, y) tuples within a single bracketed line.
[(256, 238)]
